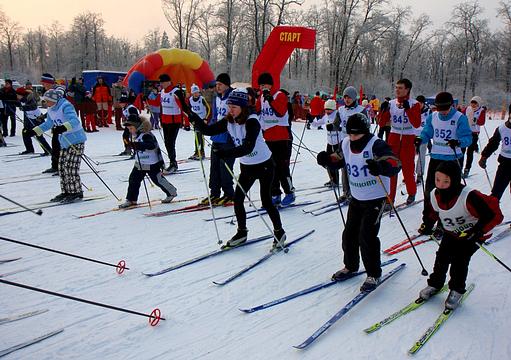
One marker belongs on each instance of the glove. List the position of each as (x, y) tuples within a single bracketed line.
[(186, 128), (406, 105), (374, 167), (482, 162), (29, 132), (59, 129), (384, 106), (267, 96), (136, 146), (474, 235), (323, 158), (425, 229), (417, 141), (453, 143), (193, 117), (329, 127)]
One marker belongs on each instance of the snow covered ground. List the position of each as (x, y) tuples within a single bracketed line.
[(203, 320)]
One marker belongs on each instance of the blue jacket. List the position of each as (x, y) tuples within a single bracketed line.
[(74, 134), (463, 133), (224, 137)]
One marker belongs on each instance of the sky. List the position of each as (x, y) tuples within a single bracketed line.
[(132, 19)]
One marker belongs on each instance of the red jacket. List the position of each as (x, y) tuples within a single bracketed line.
[(101, 93), (279, 105), (317, 106)]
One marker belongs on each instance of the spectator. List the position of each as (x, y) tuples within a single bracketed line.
[(8, 97), (317, 105), (117, 91), (101, 95)]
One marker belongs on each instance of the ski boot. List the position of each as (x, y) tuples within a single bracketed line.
[(71, 198), (428, 292), (279, 241), (127, 204), (59, 197), (288, 199), (239, 238), (275, 200), (370, 284), (410, 199), (342, 274), (453, 300), (168, 199)]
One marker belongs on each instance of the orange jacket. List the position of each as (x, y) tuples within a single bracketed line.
[(101, 93)]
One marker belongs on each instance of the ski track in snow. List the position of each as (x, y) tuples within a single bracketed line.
[(203, 320)]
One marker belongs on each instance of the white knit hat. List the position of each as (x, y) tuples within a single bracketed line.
[(194, 89), (330, 105)]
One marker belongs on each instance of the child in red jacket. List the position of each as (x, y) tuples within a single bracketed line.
[(466, 215)]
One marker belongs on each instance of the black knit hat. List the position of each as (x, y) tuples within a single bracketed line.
[(357, 124), (265, 79), (451, 169), (164, 78), (443, 101), (224, 78), (124, 99), (133, 120), (421, 99)]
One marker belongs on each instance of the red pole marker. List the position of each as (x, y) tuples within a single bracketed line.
[(155, 317), (121, 266)]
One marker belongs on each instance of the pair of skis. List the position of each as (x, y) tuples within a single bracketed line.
[(53, 204), (403, 245), (440, 320)]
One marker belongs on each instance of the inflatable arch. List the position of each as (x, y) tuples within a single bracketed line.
[(183, 66), (278, 48)]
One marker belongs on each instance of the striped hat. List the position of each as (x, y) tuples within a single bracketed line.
[(47, 78)]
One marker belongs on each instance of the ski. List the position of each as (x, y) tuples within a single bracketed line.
[(405, 310), (25, 158), (24, 155), (327, 205), (345, 309), (263, 259), (41, 177), (29, 342), (309, 290), (21, 316), (401, 243), (141, 205), (3, 261), (50, 205), (329, 209), (499, 236), (442, 318), (186, 209), (281, 208), (114, 161), (12, 272), (408, 246), (208, 255), (402, 206)]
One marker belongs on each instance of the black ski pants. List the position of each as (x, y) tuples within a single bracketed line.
[(470, 150), (219, 178), (281, 154), (454, 252), (502, 177), (137, 176), (170, 132), (263, 172), (361, 234)]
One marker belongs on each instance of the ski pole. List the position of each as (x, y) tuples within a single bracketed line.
[(485, 170), (298, 151), (336, 198), (120, 267), (154, 317), (207, 188), (36, 212), (424, 272), (422, 172), (143, 179), (490, 254), (253, 205), (459, 164)]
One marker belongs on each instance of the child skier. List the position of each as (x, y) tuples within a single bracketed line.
[(62, 118), (255, 158), (370, 163), (466, 216), (476, 115), (503, 174), (148, 161), (199, 106)]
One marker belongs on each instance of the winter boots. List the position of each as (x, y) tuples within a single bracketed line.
[(71, 198), (342, 274), (168, 199), (127, 204), (279, 240), (288, 199), (239, 238), (410, 199), (276, 200), (370, 284), (453, 300), (428, 292), (59, 197)]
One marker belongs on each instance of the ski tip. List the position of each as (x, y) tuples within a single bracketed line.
[(218, 283), (300, 347), (246, 311)]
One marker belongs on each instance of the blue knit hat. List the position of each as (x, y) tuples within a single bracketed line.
[(238, 97)]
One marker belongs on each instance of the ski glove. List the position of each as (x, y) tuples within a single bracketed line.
[(375, 168), (59, 129), (474, 235), (406, 105), (453, 143), (482, 162), (186, 128), (329, 127), (29, 132)]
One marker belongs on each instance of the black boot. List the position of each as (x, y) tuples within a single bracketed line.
[(239, 238)]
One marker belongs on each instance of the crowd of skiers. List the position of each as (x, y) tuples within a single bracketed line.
[(254, 125)]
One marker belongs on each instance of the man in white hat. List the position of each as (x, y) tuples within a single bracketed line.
[(199, 106)]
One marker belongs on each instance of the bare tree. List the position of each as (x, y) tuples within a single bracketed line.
[(182, 16), (56, 35), (414, 39), (152, 40), (9, 34)]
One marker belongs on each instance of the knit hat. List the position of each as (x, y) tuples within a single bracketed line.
[(133, 120), (53, 95), (238, 97), (350, 92), (47, 78), (28, 83), (194, 89), (21, 91), (330, 105), (123, 99), (265, 79), (224, 78), (365, 102), (443, 101), (164, 78), (451, 169), (478, 100), (421, 99), (357, 124)]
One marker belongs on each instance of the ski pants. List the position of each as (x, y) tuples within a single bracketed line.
[(69, 169), (263, 172), (403, 147), (219, 177), (454, 252), (55, 151), (421, 160), (361, 234), (470, 150), (502, 177), (281, 154), (27, 140), (170, 132), (137, 176)]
